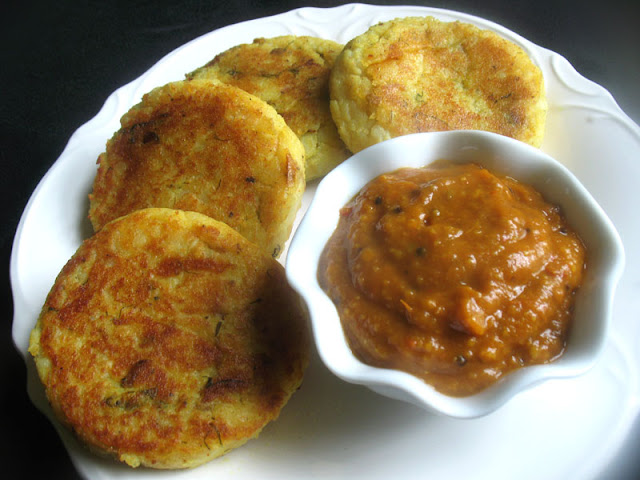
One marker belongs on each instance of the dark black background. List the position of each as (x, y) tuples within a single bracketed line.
[(60, 60)]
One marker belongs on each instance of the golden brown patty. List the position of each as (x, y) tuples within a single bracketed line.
[(205, 147), (292, 74), (168, 339), (418, 74)]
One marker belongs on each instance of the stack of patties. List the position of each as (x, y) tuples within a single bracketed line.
[(291, 73), (419, 74), (172, 335)]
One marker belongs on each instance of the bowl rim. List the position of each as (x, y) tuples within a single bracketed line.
[(534, 167)]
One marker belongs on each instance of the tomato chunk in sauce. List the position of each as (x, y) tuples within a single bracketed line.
[(454, 274)]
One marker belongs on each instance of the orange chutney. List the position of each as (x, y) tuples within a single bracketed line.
[(453, 274)]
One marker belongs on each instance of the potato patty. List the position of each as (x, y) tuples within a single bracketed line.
[(418, 74), (168, 339), (204, 147), (291, 73)]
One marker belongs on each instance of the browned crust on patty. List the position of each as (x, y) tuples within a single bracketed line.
[(205, 147), (169, 339), (291, 73), (418, 74)]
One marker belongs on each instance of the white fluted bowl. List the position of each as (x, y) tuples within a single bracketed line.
[(557, 184)]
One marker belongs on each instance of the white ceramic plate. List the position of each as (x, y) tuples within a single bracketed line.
[(331, 429)]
